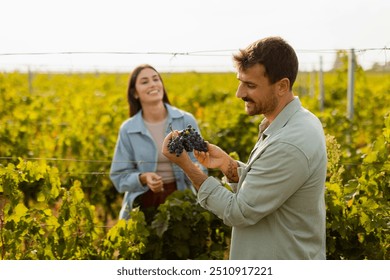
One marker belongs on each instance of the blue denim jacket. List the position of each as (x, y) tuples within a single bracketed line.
[(136, 152)]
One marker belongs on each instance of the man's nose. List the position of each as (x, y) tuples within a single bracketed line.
[(240, 91)]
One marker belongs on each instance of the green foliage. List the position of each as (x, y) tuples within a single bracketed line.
[(62, 224), (358, 212), (69, 120), (58, 132), (126, 240), (182, 229)]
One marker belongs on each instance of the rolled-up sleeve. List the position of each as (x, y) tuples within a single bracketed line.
[(264, 186)]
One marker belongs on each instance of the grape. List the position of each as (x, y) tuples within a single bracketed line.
[(189, 140)]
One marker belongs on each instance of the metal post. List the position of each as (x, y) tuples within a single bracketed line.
[(30, 78), (321, 85), (351, 84), (312, 81)]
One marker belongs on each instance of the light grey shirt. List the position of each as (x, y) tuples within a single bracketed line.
[(277, 209)]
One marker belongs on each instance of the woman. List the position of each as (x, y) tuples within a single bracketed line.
[(139, 170)]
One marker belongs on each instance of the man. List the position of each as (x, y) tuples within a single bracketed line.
[(277, 208)]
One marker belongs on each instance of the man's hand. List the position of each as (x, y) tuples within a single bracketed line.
[(193, 172), (217, 158), (179, 160), (214, 158)]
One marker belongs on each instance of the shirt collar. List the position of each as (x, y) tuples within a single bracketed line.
[(281, 119), (262, 127)]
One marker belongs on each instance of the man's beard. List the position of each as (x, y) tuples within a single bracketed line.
[(265, 107)]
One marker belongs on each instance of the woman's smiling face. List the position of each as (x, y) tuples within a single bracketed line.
[(149, 87)]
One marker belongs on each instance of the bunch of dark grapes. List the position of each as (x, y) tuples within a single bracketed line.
[(189, 140)]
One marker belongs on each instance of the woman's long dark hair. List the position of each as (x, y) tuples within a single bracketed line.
[(135, 104)]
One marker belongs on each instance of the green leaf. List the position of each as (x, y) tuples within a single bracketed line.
[(19, 211)]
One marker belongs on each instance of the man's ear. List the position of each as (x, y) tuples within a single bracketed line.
[(283, 86)]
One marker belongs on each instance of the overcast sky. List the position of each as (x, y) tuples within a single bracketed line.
[(202, 33)]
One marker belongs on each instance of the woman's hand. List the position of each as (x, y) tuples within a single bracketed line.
[(153, 181)]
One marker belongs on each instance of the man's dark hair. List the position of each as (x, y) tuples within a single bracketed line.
[(275, 54)]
